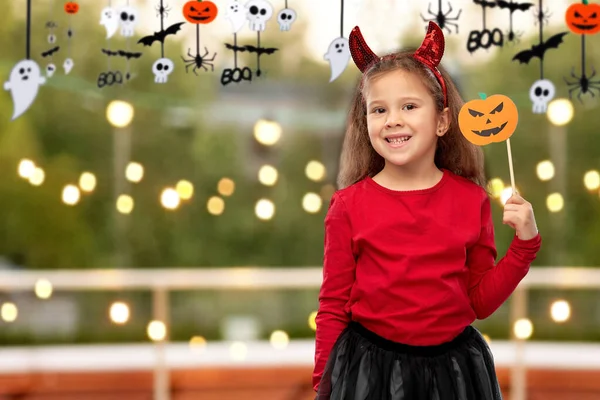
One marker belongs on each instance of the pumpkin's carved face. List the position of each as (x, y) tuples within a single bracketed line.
[(490, 120), (71, 7), (583, 19), (200, 12)]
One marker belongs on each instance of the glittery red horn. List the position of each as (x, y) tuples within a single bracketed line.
[(430, 53), (361, 53)]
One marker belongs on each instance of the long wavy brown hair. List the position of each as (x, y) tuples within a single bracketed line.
[(453, 151)]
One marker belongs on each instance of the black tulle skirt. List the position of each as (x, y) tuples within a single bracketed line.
[(365, 366)]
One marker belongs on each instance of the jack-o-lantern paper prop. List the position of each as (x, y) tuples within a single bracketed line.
[(200, 12), (71, 7), (488, 120), (583, 18)]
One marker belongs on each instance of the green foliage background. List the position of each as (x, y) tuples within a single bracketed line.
[(66, 132)]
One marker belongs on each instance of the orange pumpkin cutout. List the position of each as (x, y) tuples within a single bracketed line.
[(488, 120), (200, 12), (583, 18), (71, 7)]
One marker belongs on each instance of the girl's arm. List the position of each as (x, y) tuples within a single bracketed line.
[(491, 284), (338, 277)]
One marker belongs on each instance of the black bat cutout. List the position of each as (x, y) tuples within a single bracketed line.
[(161, 35), (538, 50), (252, 49), (50, 52), (512, 7), (483, 3), (51, 24), (110, 53)]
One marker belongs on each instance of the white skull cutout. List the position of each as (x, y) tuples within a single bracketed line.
[(161, 69), (286, 18), (540, 93), (259, 12), (129, 19)]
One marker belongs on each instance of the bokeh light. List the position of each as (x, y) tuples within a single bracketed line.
[(197, 344), (226, 187), (279, 339), (545, 170), (134, 172), (157, 331), (267, 175), (119, 113), (560, 311), (215, 205), (267, 132), (560, 111), (26, 168), (315, 171), (311, 202), (555, 202), (591, 180), (496, 186), (312, 320), (9, 312), (87, 182), (523, 328), (43, 289), (70, 195), (238, 351), (125, 204), (185, 189), (265, 209), (169, 199), (37, 177), (119, 312)]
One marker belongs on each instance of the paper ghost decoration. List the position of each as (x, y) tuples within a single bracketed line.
[(259, 12), (50, 70), (236, 14), (110, 20), (68, 65), (23, 83), (338, 55)]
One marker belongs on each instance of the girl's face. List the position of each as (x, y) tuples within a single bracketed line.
[(402, 120)]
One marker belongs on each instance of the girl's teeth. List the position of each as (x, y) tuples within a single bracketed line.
[(398, 140)]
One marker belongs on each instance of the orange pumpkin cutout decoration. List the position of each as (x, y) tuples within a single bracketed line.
[(488, 120), (200, 12), (71, 7), (583, 18)]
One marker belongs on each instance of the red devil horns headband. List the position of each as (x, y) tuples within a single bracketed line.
[(429, 53)]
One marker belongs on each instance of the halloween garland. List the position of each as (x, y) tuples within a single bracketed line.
[(236, 15), (25, 77), (511, 6), (198, 12), (51, 25), (111, 18), (338, 52), (259, 13), (484, 38), (286, 17), (584, 19), (71, 8), (543, 90), (162, 67), (442, 18), (489, 120)]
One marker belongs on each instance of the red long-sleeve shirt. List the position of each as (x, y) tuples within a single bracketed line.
[(415, 267)]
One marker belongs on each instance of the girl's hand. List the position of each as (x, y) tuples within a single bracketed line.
[(518, 214)]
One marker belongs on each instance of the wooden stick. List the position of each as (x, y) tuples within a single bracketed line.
[(510, 165)]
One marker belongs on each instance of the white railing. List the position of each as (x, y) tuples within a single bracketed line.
[(162, 281)]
